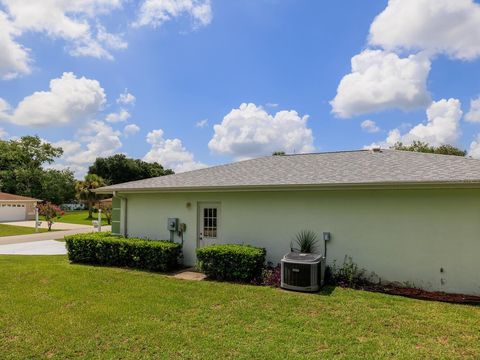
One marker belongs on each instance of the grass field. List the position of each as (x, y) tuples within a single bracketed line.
[(10, 230), (79, 217), (52, 309)]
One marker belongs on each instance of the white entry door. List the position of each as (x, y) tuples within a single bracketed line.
[(208, 224)]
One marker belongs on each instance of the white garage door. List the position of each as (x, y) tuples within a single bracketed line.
[(12, 212)]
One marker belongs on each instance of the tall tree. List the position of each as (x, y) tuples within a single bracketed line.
[(419, 146), (85, 191), (58, 186), (118, 169), (21, 164)]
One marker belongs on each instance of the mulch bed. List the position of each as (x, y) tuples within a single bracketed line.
[(424, 295)]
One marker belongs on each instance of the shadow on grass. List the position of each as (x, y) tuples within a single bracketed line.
[(324, 291), (118, 267), (327, 290)]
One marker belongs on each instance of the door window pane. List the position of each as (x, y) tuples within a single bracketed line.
[(210, 222)]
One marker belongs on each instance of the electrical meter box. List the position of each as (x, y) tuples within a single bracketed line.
[(172, 224)]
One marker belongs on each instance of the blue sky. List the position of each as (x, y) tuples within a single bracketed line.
[(184, 61)]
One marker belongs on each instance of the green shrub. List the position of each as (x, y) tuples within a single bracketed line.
[(347, 275), (112, 250), (231, 262)]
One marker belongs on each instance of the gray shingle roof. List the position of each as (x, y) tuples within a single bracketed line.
[(363, 167)]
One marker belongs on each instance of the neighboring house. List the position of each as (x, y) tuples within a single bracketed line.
[(106, 202), (16, 207), (408, 217)]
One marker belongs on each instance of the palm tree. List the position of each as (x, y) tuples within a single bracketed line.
[(85, 189)]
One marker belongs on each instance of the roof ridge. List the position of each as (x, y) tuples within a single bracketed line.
[(327, 152)]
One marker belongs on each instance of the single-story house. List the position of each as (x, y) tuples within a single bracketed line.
[(16, 207), (407, 217)]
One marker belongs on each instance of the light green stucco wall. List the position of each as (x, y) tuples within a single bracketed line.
[(116, 210), (400, 235)]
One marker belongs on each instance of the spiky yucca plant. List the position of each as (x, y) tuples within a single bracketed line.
[(306, 241)]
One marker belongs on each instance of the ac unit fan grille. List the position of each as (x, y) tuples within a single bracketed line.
[(298, 274)]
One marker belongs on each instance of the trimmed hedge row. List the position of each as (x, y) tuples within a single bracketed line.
[(107, 249), (231, 262)]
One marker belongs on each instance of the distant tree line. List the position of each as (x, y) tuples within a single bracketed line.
[(419, 146), (118, 169), (24, 170)]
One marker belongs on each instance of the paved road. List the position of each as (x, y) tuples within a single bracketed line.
[(52, 235)]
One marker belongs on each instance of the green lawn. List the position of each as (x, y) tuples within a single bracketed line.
[(10, 230), (79, 217), (52, 309)]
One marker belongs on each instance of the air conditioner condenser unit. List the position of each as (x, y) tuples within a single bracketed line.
[(302, 272)]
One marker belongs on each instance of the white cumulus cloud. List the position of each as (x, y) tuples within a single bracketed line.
[(70, 147), (473, 114), (130, 130), (157, 12), (111, 41), (474, 150), (250, 131), (98, 140), (369, 126), (14, 58), (4, 108), (170, 153), (100, 46), (381, 80), (126, 98), (442, 126), (121, 115), (437, 26), (69, 99), (74, 21), (95, 139)]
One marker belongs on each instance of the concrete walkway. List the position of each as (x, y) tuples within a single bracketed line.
[(44, 247), (189, 274), (55, 226), (51, 235)]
